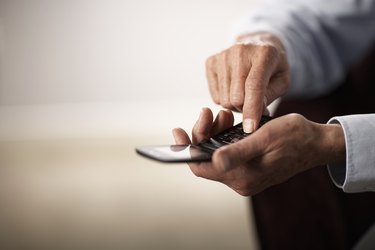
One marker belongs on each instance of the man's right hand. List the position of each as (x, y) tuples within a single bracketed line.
[(249, 76)]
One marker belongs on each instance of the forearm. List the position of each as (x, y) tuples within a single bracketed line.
[(330, 144)]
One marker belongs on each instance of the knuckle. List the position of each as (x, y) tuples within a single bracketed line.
[(219, 156), (254, 83), (222, 78), (268, 50), (282, 82), (212, 83), (239, 79), (256, 80), (296, 122), (237, 101), (238, 50), (225, 101), (225, 57), (295, 118), (267, 55), (216, 99), (226, 104)]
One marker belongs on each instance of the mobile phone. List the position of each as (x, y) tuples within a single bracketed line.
[(196, 153)]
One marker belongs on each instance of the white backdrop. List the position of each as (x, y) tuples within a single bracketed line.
[(130, 69), (108, 67), (94, 51)]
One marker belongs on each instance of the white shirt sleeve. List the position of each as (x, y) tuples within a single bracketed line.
[(358, 174), (322, 38)]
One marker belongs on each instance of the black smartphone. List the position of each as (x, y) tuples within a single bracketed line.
[(196, 153)]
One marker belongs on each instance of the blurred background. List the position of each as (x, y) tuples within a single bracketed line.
[(81, 84)]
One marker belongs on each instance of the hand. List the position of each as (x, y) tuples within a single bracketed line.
[(249, 76), (279, 150)]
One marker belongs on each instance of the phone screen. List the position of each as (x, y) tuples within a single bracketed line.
[(175, 153)]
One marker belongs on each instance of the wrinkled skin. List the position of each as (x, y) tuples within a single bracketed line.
[(274, 153), (248, 76)]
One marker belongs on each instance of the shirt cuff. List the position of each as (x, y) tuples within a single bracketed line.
[(338, 172), (358, 172)]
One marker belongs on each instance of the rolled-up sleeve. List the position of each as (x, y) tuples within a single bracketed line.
[(358, 172)]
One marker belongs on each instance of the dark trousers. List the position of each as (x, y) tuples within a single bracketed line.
[(308, 211)]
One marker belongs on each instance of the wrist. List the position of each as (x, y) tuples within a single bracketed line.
[(331, 145)]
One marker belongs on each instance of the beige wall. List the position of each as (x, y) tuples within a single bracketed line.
[(82, 82), (93, 50)]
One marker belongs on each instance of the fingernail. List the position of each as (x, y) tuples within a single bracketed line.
[(248, 125)]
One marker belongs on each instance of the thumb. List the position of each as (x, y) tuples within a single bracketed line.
[(238, 153)]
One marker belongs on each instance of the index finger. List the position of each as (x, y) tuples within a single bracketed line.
[(255, 89)]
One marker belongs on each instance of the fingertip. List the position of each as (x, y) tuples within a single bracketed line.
[(180, 136), (176, 132), (205, 117), (223, 120), (249, 125), (230, 113), (251, 116), (206, 113), (202, 127), (229, 117)]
